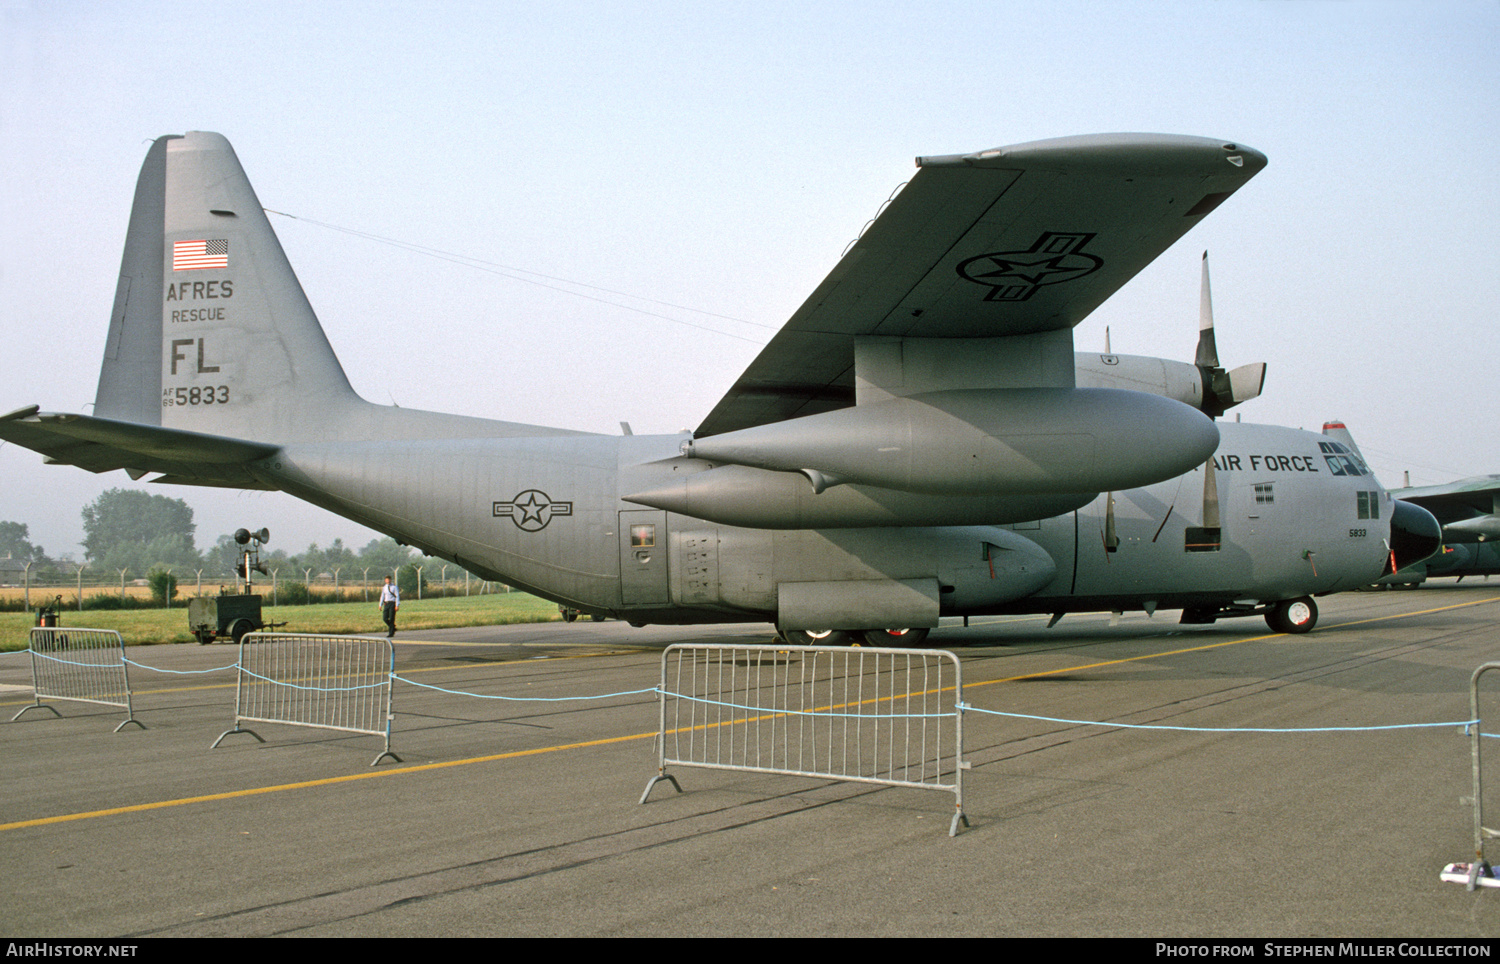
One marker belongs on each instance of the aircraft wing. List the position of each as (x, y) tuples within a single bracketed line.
[(1455, 501), (1010, 241), (103, 444)]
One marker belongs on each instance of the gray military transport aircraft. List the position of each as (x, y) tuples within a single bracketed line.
[(1469, 512), (918, 441)]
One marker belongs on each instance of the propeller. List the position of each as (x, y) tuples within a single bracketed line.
[(1222, 390)]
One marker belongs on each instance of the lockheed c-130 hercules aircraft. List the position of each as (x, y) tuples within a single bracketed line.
[(918, 441)]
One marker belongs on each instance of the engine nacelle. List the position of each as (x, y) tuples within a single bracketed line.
[(1027, 441), (1180, 381), (739, 495)]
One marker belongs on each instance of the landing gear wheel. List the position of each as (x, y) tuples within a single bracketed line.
[(1293, 615), (819, 637), (898, 638), (569, 615), (596, 617)]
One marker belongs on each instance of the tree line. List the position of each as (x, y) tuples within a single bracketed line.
[(142, 534)]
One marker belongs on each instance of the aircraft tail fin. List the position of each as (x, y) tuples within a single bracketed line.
[(211, 332)]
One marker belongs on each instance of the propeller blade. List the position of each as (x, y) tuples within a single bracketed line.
[(1210, 497), (1208, 350), (1246, 382), (1221, 390)]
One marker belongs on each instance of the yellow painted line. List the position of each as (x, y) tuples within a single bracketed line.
[(516, 754), (1232, 642), (1421, 612), (327, 781)]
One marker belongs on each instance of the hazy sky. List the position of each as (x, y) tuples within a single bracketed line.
[(719, 157)]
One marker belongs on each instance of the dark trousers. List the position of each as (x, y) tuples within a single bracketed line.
[(388, 612)]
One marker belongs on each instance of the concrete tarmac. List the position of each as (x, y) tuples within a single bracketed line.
[(522, 818)]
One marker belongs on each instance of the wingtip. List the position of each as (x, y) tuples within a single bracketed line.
[(1162, 153)]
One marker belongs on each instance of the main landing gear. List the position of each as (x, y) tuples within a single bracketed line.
[(1293, 615), (1287, 616), (891, 638)]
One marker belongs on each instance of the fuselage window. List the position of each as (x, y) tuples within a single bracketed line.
[(1368, 504)]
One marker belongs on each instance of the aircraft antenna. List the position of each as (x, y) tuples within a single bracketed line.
[(514, 274)]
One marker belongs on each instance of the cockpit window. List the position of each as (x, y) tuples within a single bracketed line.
[(1341, 461)]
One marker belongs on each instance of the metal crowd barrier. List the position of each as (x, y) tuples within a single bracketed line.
[(885, 716), (87, 665), (330, 682), (1479, 872)]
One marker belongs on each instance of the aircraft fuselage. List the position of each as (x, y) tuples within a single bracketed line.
[(547, 513)]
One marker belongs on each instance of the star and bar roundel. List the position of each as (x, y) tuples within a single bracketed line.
[(531, 510), (1056, 257)]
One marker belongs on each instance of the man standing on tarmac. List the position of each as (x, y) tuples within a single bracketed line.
[(390, 601)]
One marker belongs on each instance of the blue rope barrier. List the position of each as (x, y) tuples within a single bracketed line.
[(318, 689), (522, 699), (73, 662), (1463, 725), (817, 713), (1225, 729), (181, 672)]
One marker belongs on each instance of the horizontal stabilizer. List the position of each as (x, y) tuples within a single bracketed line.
[(102, 445)]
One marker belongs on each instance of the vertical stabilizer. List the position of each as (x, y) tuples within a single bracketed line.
[(211, 331), (1337, 431)]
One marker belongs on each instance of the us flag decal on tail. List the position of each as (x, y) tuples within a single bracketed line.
[(197, 255)]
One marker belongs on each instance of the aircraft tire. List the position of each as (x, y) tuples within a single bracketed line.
[(820, 637), (1293, 615), (897, 638)]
